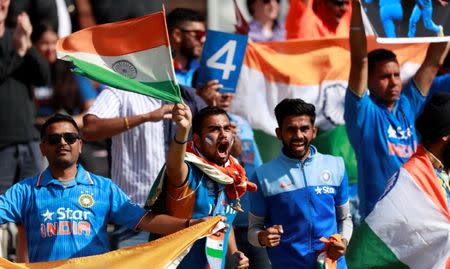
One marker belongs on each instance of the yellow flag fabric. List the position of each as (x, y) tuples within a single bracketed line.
[(165, 252)]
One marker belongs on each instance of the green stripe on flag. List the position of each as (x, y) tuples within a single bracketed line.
[(367, 250), (164, 90), (215, 253)]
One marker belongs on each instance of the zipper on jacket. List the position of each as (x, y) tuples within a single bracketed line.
[(302, 165)]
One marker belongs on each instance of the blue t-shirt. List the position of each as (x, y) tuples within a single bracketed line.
[(250, 159), (185, 77), (67, 222), (440, 84), (301, 196), (197, 198), (383, 140)]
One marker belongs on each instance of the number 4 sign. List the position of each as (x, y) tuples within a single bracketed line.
[(222, 59)]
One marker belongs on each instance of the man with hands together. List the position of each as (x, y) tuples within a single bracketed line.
[(302, 196)]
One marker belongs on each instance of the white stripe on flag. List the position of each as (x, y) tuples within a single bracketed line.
[(151, 64)]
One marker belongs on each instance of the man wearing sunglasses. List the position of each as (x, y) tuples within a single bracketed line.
[(187, 32), (65, 209)]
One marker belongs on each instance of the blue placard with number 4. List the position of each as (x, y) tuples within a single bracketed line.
[(221, 59)]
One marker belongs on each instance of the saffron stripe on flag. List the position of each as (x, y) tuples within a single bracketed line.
[(115, 39), (164, 90)]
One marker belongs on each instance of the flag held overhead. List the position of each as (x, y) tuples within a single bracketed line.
[(132, 55)]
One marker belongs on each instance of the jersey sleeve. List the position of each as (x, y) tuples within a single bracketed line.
[(358, 113), (87, 90), (342, 193), (415, 97), (13, 203), (107, 105), (257, 201), (123, 210)]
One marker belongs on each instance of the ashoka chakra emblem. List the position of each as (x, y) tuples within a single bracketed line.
[(125, 68)]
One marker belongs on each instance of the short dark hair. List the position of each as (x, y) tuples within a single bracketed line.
[(179, 16), (199, 118), (40, 28), (249, 6), (294, 106), (57, 118), (379, 55)]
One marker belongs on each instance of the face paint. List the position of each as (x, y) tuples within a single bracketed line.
[(208, 139)]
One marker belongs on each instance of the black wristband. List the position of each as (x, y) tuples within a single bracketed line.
[(179, 142)]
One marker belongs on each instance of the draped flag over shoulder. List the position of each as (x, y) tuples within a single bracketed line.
[(132, 55), (314, 70), (164, 253), (409, 226)]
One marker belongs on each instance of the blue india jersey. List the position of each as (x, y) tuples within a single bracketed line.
[(383, 140), (198, 198), (66, 222)]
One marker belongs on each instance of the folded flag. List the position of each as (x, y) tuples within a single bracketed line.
[(132, 55), (164, 253), (409, 226)]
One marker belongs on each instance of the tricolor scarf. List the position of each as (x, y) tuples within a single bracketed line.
[(234, 170)]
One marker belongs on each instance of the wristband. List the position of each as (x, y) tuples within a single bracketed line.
[(187, 223), (127, 124), (179, 142)]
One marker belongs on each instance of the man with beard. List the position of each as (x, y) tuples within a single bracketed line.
[(380, 126), (65, 209), (187, 34), (302, 196), (195, 181)]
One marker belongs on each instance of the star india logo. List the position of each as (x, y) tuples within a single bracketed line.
[(86, 200)]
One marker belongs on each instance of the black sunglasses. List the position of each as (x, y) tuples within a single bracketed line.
[(268, 1), (341, 2), (55, 139)]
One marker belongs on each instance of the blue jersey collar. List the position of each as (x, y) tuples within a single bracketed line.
[(82, 177), (312, 153)]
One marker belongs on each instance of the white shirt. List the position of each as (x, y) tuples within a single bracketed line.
[(137, 154)]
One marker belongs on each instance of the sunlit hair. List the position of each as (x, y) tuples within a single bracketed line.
[(379, 55), (57, 118), (197, 121), (294, 107), (177, 17)]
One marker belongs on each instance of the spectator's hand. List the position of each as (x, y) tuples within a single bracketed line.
[(164, 112), (209, 92), (239, 260), (271, 236), (182, 116), (443, 2), (22, 34), (337, 249)]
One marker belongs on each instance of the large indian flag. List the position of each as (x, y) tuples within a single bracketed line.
[(410, 225), (131, 55), (314, 70), (164, 253)]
